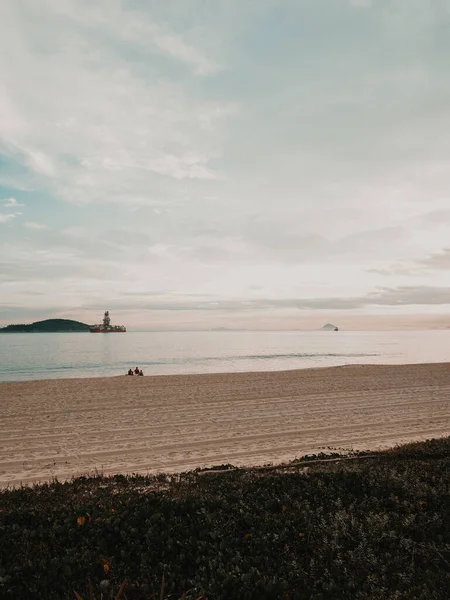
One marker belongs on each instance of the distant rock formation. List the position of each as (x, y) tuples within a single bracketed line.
[(47, 326), (330, 327)]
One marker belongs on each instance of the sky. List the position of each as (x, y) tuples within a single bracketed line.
[(220, 163)]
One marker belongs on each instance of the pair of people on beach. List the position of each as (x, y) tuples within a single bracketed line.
[(137, 371)]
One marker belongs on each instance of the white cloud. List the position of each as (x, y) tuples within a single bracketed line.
[(11, 203), (102, 127), (134, 27), (39, 162), (6, 218), (75, 232), (175, 47), (34, 225)]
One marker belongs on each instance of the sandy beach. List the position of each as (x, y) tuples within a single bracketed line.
[(61, 428)]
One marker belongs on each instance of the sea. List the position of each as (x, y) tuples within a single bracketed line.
[(29, 356)]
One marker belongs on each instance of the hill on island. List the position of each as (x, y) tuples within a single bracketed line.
[(329, 326), (47, 326)]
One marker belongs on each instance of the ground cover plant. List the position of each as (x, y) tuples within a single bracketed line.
[(364, 528)]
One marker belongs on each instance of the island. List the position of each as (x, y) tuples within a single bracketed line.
[(48, 326), (330, 327)]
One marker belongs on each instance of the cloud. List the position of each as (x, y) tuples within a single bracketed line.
[(135, 27), (11, 203), (34, 225), (436, 217), (401, 296), (394, 271), (175, 47), (440, 260), (8, 217), (105, 125), (385, 297), (410, 295)]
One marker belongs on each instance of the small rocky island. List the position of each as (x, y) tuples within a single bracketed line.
[(330, 327), (47, 326)]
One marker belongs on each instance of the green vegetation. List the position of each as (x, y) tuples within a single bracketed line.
[(47, 326), (371, 527)]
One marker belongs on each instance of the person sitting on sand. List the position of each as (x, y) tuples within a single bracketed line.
[(136, 371), (141, 373), (130, 372)]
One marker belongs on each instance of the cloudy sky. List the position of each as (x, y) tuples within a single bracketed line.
[(224, 162)]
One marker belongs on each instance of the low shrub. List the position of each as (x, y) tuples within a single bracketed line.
[(358, 529)]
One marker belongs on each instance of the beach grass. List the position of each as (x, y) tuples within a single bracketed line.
[(376, 528)]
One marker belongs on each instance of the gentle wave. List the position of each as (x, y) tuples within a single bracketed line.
[(98, 369), (234, 358)]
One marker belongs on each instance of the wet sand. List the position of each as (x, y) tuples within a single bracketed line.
[(66, 427)]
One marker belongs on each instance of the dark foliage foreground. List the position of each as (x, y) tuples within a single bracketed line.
[(374, 528)]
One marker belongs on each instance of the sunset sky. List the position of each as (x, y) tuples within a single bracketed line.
[(237, 163)]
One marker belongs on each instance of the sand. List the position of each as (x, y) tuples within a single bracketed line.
[(66, 427)]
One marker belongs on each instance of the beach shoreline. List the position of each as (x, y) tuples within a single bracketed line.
[(60, 428)]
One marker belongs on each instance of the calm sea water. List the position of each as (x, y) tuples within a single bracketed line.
[(53, 355)]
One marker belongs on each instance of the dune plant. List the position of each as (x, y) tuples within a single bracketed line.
[(354, 529)]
